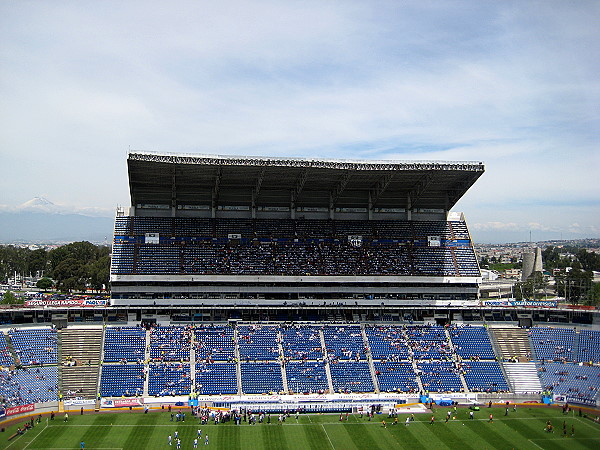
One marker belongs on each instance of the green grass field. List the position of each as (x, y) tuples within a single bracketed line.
[(112, 431)]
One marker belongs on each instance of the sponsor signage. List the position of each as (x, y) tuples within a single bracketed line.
[(73, 302), (121, 402), (79, 401), (543, 303), (20, 409)]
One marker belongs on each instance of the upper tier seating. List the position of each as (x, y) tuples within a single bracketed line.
[(124, 344), (258, 343), (472, 342), (553, 344), (302, 342), (484, 376), (344, 343), (35, 346), (213, 343), (292, 247)]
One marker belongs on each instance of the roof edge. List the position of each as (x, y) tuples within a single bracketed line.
[(279, 161)]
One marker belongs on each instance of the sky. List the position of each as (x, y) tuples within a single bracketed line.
[(511, 83)]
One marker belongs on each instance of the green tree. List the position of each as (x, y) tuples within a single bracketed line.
[(99, 272), (11, 299), (44, 283)]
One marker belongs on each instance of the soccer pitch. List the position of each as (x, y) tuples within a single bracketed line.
[(523, 429)]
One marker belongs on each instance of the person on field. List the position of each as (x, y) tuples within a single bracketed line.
[(170, 440)]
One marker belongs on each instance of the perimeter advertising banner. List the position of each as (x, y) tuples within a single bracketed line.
[(19, 409), (543, 303), (122, 402), (75, 302)]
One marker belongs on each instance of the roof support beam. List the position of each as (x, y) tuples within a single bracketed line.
[(259, 181), (381, 187), (215, 191), (173, 192), (416, 192), (342, 183), (301, 181)]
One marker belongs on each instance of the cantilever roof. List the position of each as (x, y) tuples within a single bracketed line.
[(182, 179)]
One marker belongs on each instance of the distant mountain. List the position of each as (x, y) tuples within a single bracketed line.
[(40, 224)]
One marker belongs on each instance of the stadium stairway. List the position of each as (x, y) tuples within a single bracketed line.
[(370, 359), (510, 342), (523, 377), (455, 359), (84, 346), (146, 359), (327, 367), (238, 364), (283, 371)]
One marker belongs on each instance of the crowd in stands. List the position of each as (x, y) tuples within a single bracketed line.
[(303, 247), (576, 381), (399, 357)]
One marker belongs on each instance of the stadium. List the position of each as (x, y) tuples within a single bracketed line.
[(327, 292)]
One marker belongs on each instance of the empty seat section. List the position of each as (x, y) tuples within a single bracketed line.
[(388, 343), (553, 344), (170, 344), (124, 344), (484, 376), (301, 343), (440, 376), (213, 343), (257, 342), (35, 346), (122, 380), (169, 379), (471, 342), (428, 342), (589, 346), (6, 358), (30, 385), (217, 378), (575, 381), (351, 376), (261, 378), (344, 343), (396, 376), (306, 376)]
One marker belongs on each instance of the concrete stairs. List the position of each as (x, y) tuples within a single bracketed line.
[(510, 342), (84, 346), (523, 377)]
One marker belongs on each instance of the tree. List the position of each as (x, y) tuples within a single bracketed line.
[(11, 299), (44, 283), (574, 286), (99, 272)]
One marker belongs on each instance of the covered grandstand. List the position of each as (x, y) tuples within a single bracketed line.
[(281, 232)]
